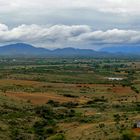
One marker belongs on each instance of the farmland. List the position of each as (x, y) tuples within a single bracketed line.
[(69, 98)]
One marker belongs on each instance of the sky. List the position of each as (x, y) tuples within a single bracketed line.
[(70, 23)]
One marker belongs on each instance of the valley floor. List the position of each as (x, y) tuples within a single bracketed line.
[(51, 99)]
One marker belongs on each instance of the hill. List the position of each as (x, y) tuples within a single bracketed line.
[(123, 49), (21, 49)]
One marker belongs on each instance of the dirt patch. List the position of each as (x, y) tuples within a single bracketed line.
[(38, 98), (42, 98), (94, 85), (18, 82), (136, 131), (121, 90)]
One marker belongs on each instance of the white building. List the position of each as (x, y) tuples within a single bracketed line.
[(138, 124), (115, 78)]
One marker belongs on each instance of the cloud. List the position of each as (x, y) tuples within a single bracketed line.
[(102, 14), (64, 35), (115, 6), (3, 27), (114, 36)]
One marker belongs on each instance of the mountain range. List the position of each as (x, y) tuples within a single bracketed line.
[(22, 49)]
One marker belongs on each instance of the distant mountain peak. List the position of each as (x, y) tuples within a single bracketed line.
[(19, 44)]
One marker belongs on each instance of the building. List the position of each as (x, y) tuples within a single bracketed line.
[(138, 124), (115, 78)]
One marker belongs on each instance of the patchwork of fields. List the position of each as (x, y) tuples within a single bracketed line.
[(64, 99)]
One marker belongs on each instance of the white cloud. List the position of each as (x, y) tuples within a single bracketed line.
[(119, 6), (114, 36), (3, 27), (64, 35), (102, 14)]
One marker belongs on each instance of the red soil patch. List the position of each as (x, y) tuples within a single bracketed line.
[(136, 130), (39, 98), (93, 85), (119, 89), (18, 82), (42, 98), (89, 113)]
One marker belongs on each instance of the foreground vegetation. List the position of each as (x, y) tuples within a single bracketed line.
[(73, 98)]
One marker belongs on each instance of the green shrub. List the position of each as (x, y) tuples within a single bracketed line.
[(57, 137), (127, 136), (45, 111)]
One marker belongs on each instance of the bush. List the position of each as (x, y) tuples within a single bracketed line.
[(50, 130), (16, 134), (69, 95), (53, 103), (42, 130), (39, 127), (127, 136), (70, 104), (57, 137), (44, 111), (117, 118), (134, 89)]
